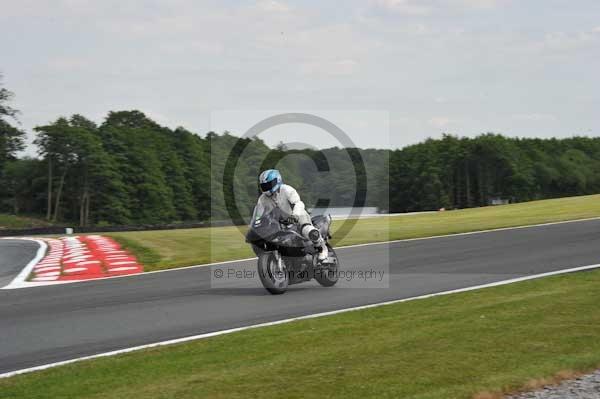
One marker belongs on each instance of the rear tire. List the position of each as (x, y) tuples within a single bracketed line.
[(275, 282), (328, 276)]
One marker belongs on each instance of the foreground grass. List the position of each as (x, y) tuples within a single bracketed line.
[(175, 248), (496, 339), (20, 222)]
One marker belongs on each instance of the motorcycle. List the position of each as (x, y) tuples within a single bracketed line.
[(285, 257)]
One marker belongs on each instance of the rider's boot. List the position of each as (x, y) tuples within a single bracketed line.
[(310, 232), (323, 253)]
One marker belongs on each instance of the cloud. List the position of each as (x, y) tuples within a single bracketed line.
[(534, 117), (406, 7), (428, 7), (565, 41), (68, 64), (479, 3), (344, 67), (273, 6), (440, 122), (439, 61)]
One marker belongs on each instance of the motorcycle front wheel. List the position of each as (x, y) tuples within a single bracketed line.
[(274, 280)]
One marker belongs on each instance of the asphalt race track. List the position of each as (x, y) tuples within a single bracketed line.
[(14, 256), (48, 324)]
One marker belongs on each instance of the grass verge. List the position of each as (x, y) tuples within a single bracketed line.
[(145, 255), (20, 222), (493, 340), (175, 248)]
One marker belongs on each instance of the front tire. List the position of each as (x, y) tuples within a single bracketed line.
[(274, 281)]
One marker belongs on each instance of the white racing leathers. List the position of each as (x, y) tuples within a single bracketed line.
[(288, 200)]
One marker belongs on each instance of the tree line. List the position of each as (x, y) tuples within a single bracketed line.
[(132, 170), (455, 172)]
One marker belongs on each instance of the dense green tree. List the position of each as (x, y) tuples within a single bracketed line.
[(131, 170), (194, 155), (11, 142), (23, 186), (57, 144), (135, 142)]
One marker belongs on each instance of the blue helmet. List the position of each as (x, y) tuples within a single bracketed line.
[(270, 181)]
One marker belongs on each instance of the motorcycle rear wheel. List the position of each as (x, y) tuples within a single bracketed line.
[(328, 276)]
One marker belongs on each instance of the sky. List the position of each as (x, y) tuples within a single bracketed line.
[(388, 72)]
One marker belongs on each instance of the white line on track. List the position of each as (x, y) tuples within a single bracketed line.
[(29, 284), (284, 321)]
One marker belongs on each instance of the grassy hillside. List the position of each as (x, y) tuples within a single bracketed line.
[(496, 339), (20, 222), (175, 248)]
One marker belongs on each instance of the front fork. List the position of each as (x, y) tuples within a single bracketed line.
[(279, 261)]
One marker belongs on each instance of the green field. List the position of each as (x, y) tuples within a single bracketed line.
[(175, 248), (494, 339), (20, 222)]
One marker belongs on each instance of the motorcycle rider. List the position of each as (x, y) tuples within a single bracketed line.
[(275, 194)]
